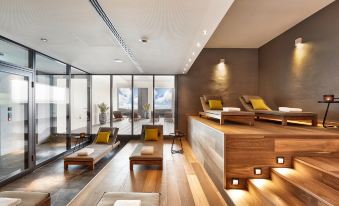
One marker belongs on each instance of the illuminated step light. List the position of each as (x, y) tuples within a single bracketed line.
[(298, 42), (118, 60), (280, 160), (235, 181), (257, 171)]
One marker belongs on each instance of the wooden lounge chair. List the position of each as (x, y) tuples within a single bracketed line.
[(100, 150), (154, 159), (274, 114), (29, 198), (168, 117), (135, 116), (147, 199), (238, 116)]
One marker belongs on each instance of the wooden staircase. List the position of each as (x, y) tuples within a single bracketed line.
[(312, 181)]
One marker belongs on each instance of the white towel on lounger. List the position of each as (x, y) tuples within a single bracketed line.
[(231, 109), (85, 152), (5, 201), (147, 150), (127, 203), (289, 109)]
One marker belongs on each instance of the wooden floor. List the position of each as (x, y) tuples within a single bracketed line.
[(268, 128), (182, 182)]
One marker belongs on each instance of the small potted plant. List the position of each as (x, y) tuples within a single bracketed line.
[(103, 116), (146, 109)]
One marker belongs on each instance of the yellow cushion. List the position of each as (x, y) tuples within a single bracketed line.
[(151, 134), (103, 137), (215, 104), (259, 104)]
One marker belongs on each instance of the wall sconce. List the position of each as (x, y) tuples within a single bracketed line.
[(222, 61), (328, 97), (235, 181), (298, 42), (280, 160), (257, 171)]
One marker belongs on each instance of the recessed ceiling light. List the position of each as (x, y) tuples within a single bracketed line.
[(186, 65), (2, 54), (198, 44), (193, 53), (189, 60), (143, 40), (44, 39), (118, 60), (204, 32)]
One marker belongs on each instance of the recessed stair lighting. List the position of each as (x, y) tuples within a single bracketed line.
[(44, 39), (280, 160), (257, 171), (235, 181)]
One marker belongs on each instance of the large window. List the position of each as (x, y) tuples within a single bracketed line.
[(100, 102), (143, 102), (51, 99), (164, 102), (122, 103), (12, 53), (14, 117), (79, 102)]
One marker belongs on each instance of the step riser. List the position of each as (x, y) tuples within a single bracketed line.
[(302, 195), (324, 177), (258, 196)]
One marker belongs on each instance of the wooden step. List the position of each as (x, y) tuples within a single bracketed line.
[(307, 189), (270, 194), (240, 197), (324, 169)]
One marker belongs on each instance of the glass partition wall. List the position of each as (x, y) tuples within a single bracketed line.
[(51, 99), (44, 103)]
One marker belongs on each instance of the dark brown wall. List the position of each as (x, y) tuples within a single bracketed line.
[(238, 76), (298, 77)]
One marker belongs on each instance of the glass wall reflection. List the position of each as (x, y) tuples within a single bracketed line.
[(142, 102), (13, 124), (122, 103), (51, 99), (164, 102)]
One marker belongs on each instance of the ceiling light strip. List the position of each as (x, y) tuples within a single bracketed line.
[(116, 34)]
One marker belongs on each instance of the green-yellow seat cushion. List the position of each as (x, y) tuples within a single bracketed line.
[(103, 137), (151, 135), (259, 104), (215, 104)]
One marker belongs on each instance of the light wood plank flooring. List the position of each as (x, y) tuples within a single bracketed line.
[(183, 181)]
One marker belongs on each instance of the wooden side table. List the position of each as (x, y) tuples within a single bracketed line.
[(326, 112), (174, 136)]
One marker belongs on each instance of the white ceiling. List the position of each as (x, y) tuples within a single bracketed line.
[(77, 35), (252, 23)]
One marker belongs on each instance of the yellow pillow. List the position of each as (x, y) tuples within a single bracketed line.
[(259, 104), (151, 135), (103, 137), (215, 104)]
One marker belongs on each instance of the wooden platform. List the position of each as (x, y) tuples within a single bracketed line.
[(234, 150), (182, 182)]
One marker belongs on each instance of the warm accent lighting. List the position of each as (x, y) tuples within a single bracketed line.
[(257, 171), (328, 97), (298, 42), (235, 181), (280, 160), (222, 61)]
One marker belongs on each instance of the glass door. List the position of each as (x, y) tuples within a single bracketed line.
[(15, 123)]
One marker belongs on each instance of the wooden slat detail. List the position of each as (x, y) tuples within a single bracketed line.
[(197, 191), (306, 145)]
